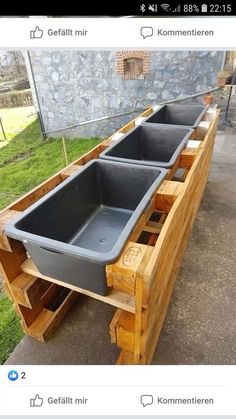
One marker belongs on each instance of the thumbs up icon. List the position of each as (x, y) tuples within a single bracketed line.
[(13, 375), (36, 402), (37, 33)]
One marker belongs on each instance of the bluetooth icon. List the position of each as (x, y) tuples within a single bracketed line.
[(142, 8)]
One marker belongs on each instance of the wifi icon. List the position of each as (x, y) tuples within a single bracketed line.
[(166, 7)]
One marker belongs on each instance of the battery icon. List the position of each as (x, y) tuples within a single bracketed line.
[(204, 8)]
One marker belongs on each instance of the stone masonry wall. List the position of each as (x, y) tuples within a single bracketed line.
[(76, 86)]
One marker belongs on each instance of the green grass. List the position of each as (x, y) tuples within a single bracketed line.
[(15, 120), (21, 145), (25, 162), (45, 160), (10, 328)]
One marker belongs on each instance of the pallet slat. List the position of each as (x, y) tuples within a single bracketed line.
[(115, 298), (47, 321), (68, 171), (30, 314), (27, 289)]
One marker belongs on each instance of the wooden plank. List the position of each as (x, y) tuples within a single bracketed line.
[(30, 314), (167, 194), (146, 113), (172, 170), (123, 319), (125, 358), (153, 227), (10, 263), (113, 324), (201, 130), (68, 171), (211, 114), (27, 289), (138, 318), (19, 286), (212, 131), (90, 155), (112, 139), (6, 217), (126, 320), (127, 127), (142, 221), (115, 298), (152, 240), (40, 323), (47, 321), (187, 157)]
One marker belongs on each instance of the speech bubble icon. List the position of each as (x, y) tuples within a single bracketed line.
[(146, 31), (146, 399)]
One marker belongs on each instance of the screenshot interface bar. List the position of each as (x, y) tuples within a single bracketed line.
[(114, 33)]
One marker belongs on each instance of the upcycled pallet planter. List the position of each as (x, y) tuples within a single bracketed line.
[(143, 278)]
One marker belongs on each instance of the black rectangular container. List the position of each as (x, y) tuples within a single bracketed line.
[(175, 114), (84, 223), (149, 144)]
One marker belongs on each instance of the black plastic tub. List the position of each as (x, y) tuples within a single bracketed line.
[(172, 114), (149, 144), (83, 224)]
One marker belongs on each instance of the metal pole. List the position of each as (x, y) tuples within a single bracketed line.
[(80, 124), (65, 151), (228, 103), (39, 112), (41, 125), (4, 135)]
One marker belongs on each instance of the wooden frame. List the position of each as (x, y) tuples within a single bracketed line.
[(143, 278)]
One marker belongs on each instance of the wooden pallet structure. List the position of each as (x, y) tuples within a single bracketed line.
[(143, 278)]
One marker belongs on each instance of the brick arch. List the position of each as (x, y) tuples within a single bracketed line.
[(124, 57)]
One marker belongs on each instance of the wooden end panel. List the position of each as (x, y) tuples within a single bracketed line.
[(122, 275), (167, 194)]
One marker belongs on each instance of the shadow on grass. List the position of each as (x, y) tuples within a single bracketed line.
[(22, 144)]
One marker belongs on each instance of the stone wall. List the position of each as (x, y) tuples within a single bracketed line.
[(76, 86)]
